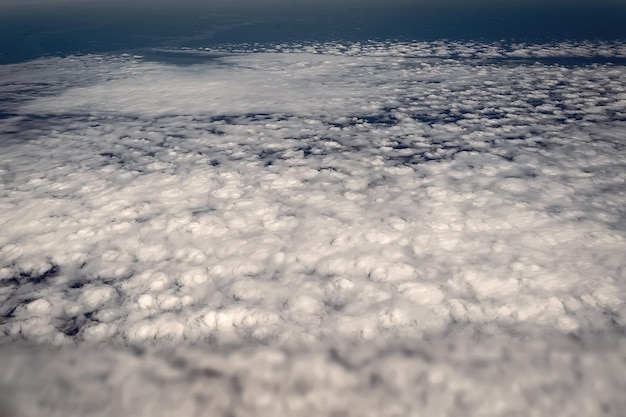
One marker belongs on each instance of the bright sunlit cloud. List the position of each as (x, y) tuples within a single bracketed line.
[(364, 211)]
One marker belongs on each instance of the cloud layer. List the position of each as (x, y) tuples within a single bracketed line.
[(451, 377), (320, 194)]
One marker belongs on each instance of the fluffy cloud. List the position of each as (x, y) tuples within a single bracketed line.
[(311, 195), (495, 377)]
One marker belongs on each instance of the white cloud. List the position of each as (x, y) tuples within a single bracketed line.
[(439, 377), (327, 194)]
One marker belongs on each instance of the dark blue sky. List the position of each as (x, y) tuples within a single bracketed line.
[(48, 27)]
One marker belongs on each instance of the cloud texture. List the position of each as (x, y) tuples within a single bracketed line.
[(320, 195)]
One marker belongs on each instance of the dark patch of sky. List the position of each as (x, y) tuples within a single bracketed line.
[(29, 29)]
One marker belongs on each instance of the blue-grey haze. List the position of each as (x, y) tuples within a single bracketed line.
[(30, 30)]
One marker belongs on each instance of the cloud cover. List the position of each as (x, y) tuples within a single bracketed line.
[(450, 198)]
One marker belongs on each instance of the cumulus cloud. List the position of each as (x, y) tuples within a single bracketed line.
[(494, 378), (319, 194)]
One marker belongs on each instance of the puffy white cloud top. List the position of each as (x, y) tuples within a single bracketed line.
[(383, 218)]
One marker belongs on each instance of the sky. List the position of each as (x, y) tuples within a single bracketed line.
[(30, 30), (239, 3), (302, 6)]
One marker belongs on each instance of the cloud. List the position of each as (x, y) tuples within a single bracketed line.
[(316, 195), (373, 380), (375, 189)]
